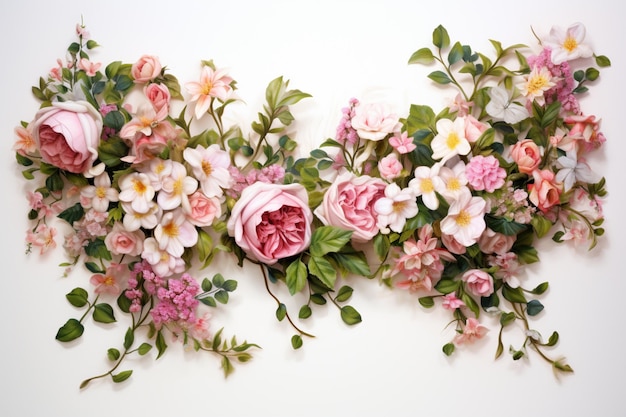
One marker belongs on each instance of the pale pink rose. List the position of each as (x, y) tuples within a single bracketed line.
[(202, 210), (122, 242), (68, 135), (147, 68), (526, 155), (478, 282), (374, 121), (473, 128), (159, 95), (349, 204), (494, 242), (390, 167), (271, 221), (545, 192)]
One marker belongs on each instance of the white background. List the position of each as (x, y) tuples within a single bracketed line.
[(391, 364)]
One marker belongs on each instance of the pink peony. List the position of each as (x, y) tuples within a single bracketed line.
[(485, 173), (349, 204), (68, 135), (374, 121), (271, 221)]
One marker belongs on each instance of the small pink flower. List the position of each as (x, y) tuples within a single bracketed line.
[(202, 210), (472, 331), (25, 144), (42, 238), (212, 84), (527, 155), (402, 144), (108, 283), (122, 242), (91, 68), (147, 68), (451, 302), (545, 192), (374, 121), (485, 173), (160, 97), (390, 167)]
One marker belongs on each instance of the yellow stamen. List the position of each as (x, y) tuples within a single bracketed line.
[(207, 168), (170, 229), (453, 140), (454, 184), (570, 44), (206, 88), (536, 84), (101, 192), (463, 219), (427, 186), (178, 186), (139, 187)]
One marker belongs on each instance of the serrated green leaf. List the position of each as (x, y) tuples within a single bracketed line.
[(324, 270), (71, 330)]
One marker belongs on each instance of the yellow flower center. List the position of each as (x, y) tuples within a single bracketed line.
[(570, 44), (454, 184), (453, 140), (463, 219), (427, 186), (207, 168), (536, 84), (139, 187), (109, 281), (170, 229), (178, 186), (146, 122), (159, 168), (398, 206), (101, 192), (206, 88)]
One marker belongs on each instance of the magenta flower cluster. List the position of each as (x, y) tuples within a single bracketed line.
[(563, 90)]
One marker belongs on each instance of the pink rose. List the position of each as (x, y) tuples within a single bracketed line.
[(349, 204), (473, 128), (526, 155), (159, 96), (271, 221), (68, 135), (390, 167), (494, 242), (374, 121), (147, 68), (545, 192), (122, 242), (478, 282), (202, 210)]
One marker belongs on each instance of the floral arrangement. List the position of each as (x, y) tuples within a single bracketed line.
[(150, 185)]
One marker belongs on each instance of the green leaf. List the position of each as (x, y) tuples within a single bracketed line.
[(229, 285), (327, 239), (324, 270), (71, 330), (305, 312), (540, 289), (296, 275), (507, 318), (422, 56), (78, 297), (97, 249), (72, 214), (448, 349), (113, 354), (350, 316), (122, 376), (441, 39), (514, 295), (296, 341), (221, 296), (160, 344), (129, 338), (344, 294), (456, 53), (503, 225), (353, 262), (281, 312), (427, 302), (553, 340), (541, 225), (439, 77), (603, 61), (103, 313), (144, 348), (534, 307), (446, 286)]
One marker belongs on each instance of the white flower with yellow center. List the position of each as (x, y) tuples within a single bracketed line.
[(100, 193), (567, 45), (210, 167), (136, 189), (536, 84), (450, 139), (454, 179), (427, 184), (465, 220), (395, 208), (176, 187), (175, 233)]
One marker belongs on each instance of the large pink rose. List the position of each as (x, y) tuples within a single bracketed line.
[(349, 204), (147, 68), (526, 155), (271, 221), (68, 135)]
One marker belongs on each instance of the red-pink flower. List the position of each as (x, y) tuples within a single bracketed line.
[(526, 155), (545, 192)]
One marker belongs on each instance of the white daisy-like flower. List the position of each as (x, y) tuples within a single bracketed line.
[(210, 167), (100, 194), (137, 190), (426, 184), (176, 187), (450, 139), (567, 44), (395, 208)]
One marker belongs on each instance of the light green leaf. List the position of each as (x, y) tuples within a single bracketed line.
[(422, 56), (327, 239), (324, 270), (296, 275), (441, 39)]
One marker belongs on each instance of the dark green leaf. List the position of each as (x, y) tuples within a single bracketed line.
[(534, 307), (72, 214), (122, 376), (305, 312), (78, 297), (296, 341), (129, 338), (103, 313), (446, 286), (71, 330), (427, 302), (448, 349), (456, 53), (160, 344), (222, 296), (97, 249)]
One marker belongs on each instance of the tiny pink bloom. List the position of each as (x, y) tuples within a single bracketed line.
[(212, 84), (109, 282), (390, 167), (472, 331), (42, 238), (91, 68), (451, 302), (25, 144), (123, 242), (402, 144)]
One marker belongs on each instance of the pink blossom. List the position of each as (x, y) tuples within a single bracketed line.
[(460, 105), (35, 199), (25, 144), (478, 282), (473, 128), (451, 302), (402, 144), (202, 210), (175, 233), (545, 192), (123, 242), (527, 155), (465, 220), (91, 68), (493, 242), (485, 173), (508, 268), (176, 302), (374, 121), (146, 68), (390, 167), (585, 129), (42, 237), (159, 96), (472, 331), (108, 283), (212, 84)]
